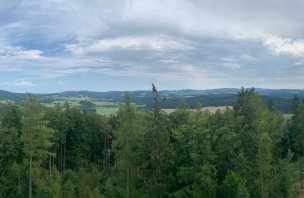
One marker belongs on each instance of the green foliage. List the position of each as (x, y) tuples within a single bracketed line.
[(69, 184), (234, 186), (88, 186), (11, 117), (45, 186), (36, 135), (196, 172), (69, 189), (96, 138), (75, 139), (156, 152), (284, 181), (125, 148), (9, 173), (59, 151)]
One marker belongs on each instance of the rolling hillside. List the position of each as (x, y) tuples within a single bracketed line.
[(282, 98)]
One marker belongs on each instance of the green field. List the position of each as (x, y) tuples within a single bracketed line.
[(287, 115), (103, 106), (107, 111)]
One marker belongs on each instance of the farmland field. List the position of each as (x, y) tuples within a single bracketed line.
[(287, 115), (107, 111), (212, 99), (211, 109)]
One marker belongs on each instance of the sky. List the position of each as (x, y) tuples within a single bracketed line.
[(102, 45)]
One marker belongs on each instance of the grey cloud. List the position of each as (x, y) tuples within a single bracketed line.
[(197, 40)]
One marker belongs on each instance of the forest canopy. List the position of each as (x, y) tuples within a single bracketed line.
[(62, 151)]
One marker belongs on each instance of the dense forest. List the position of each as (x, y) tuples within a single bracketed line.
[(247, 151)]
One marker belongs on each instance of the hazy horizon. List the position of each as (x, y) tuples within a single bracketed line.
[(135, 90)]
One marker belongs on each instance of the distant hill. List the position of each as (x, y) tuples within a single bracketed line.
[(6, 95), (282, 98)]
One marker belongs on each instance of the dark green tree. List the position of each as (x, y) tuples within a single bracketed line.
[(125, 148), (234, 186), (36, 137), (195, 161), (156, 151), (9, 174)]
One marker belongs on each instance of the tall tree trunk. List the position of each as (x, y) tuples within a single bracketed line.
[(300, 163), (63, 164), (128, 170), (50, 166), (261, 171), (30, 178), (61, 159), (104, 153)]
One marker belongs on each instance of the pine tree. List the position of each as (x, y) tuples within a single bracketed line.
[(256, 141), (35, 137), (9, 144), (156, 151), (234, 186), (284, 181), (125, 147), (195, 160), (58, 121), (11, 117)]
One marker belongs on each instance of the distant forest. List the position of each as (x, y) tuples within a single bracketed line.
[(63, 151), (281, 98)]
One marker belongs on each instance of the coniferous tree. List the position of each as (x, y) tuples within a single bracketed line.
[(234, 186), (35, 137), (255, 140), (9, 143), (242, 152), (196, 171), (58, 121), (156, 151), (284, 181), (296, 134), (125, 148)]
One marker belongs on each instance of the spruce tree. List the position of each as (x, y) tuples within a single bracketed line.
[(156, 151), (35, 137)]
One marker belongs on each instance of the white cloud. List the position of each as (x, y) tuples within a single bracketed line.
[(229, 19), (285, 46), (132, 43), (18, 83), (19, 52), (173, 39)]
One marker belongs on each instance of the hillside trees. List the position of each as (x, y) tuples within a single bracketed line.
[(296, 134), (234, 186), (125, 147), (62, 151), (9, 174), (11, 117), (196, 172), (58, 122), (36, 137), (260, 132), (156, 151)]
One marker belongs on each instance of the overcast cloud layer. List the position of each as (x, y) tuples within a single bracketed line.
[(56, 45)]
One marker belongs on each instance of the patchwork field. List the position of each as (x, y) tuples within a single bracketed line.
[(107, 111), (106, 103), (211, 109)]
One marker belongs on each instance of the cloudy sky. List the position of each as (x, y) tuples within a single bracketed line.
[(101, 45)]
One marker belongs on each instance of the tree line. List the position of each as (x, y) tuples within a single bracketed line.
[(60, 151)]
